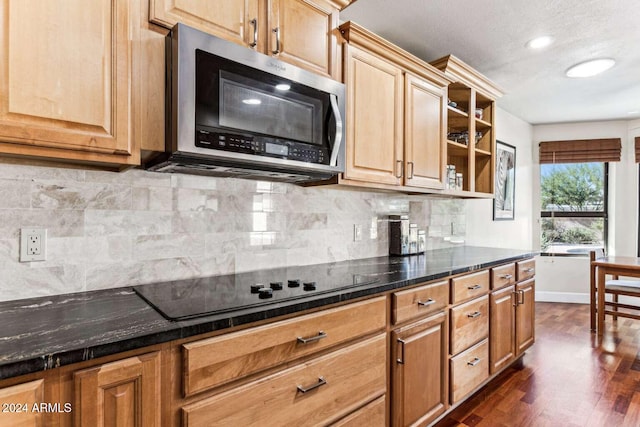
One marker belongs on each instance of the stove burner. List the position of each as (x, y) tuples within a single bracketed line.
[(276, 286), (309, 286), (265, 293), (256, 288), (293, 283)]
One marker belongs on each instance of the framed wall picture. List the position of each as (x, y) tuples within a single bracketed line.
[(505, 180)]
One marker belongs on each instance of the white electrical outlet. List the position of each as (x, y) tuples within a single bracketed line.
[(33, 244)]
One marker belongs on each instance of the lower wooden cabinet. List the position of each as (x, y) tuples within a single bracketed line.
[(316, 392), (402, 359), (469, 369), (502, 328), (512, 323), (119, 394), (525, 315), (419, 371), (17, 402)]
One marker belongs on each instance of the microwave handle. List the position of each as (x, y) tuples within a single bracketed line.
[(338, 138)]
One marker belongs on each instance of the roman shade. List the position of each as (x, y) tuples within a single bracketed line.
[(637, 149), (582, 150)]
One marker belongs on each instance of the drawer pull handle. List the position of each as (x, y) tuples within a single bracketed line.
[(529, 270), (474, 287), (474, 314), (400, 359), (254, 22), (321, 382), (506, 276), (474, 362), (318, 337), (399, 168), (430, 301)]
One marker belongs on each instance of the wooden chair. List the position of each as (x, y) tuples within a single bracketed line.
[(615, 287)]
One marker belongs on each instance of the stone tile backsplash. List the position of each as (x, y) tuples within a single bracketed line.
[(109, 229)]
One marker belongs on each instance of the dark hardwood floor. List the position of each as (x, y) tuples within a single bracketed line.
[(568, 378)]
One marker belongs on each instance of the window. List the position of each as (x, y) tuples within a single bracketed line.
[(573, 207)]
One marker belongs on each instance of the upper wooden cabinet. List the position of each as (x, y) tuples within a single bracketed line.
[(375, 117), (65, 80), (396, 117), (300, 32), (471, 135)]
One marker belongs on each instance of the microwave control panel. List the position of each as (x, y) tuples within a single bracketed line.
[(269, 147)]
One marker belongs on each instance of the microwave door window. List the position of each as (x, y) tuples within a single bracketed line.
[(245, 105)]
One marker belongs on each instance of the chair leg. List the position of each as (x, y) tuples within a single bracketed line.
[(615, 307)]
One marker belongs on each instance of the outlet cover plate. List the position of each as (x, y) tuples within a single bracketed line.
[(33, 244)]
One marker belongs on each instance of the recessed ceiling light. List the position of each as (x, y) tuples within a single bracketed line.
[(539, 42), (633, 112), (283, 86), (590, 68)]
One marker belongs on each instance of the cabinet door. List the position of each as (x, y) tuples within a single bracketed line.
[(424, 133), (375, 116), (65, 80), (233, 20), (17, 403), (502, 328), (302, 32), (122, 393), (525, 315), (419, 374)]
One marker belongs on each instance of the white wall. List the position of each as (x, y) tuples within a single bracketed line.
[(517, 234), (567, 279)]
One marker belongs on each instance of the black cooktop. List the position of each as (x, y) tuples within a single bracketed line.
[(191, 298)]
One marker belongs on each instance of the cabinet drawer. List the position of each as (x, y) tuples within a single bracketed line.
[(218, 360), (469, 323), (416, 302), (372, 415), (526, 269), (316, 392), (503, 276), (468, 370), (469, 286)]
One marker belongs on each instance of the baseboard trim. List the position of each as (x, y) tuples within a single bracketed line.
[(570, 297)]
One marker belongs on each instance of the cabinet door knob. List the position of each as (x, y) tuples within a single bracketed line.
[(254, 22)]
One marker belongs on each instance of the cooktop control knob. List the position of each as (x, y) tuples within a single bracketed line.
[(265, 293), (309, 286), (276, 286), (293, 283), (256, 288)]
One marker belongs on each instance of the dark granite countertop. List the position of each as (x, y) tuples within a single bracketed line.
[(48, 332)]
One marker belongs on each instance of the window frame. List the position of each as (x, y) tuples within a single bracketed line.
[(587, 214)]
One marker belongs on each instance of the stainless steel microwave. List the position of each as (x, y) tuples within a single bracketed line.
[(232, 111)]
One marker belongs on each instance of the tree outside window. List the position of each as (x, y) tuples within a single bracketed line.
[(573, 207)]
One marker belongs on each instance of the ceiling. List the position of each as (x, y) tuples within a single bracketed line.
[(490, 35)]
